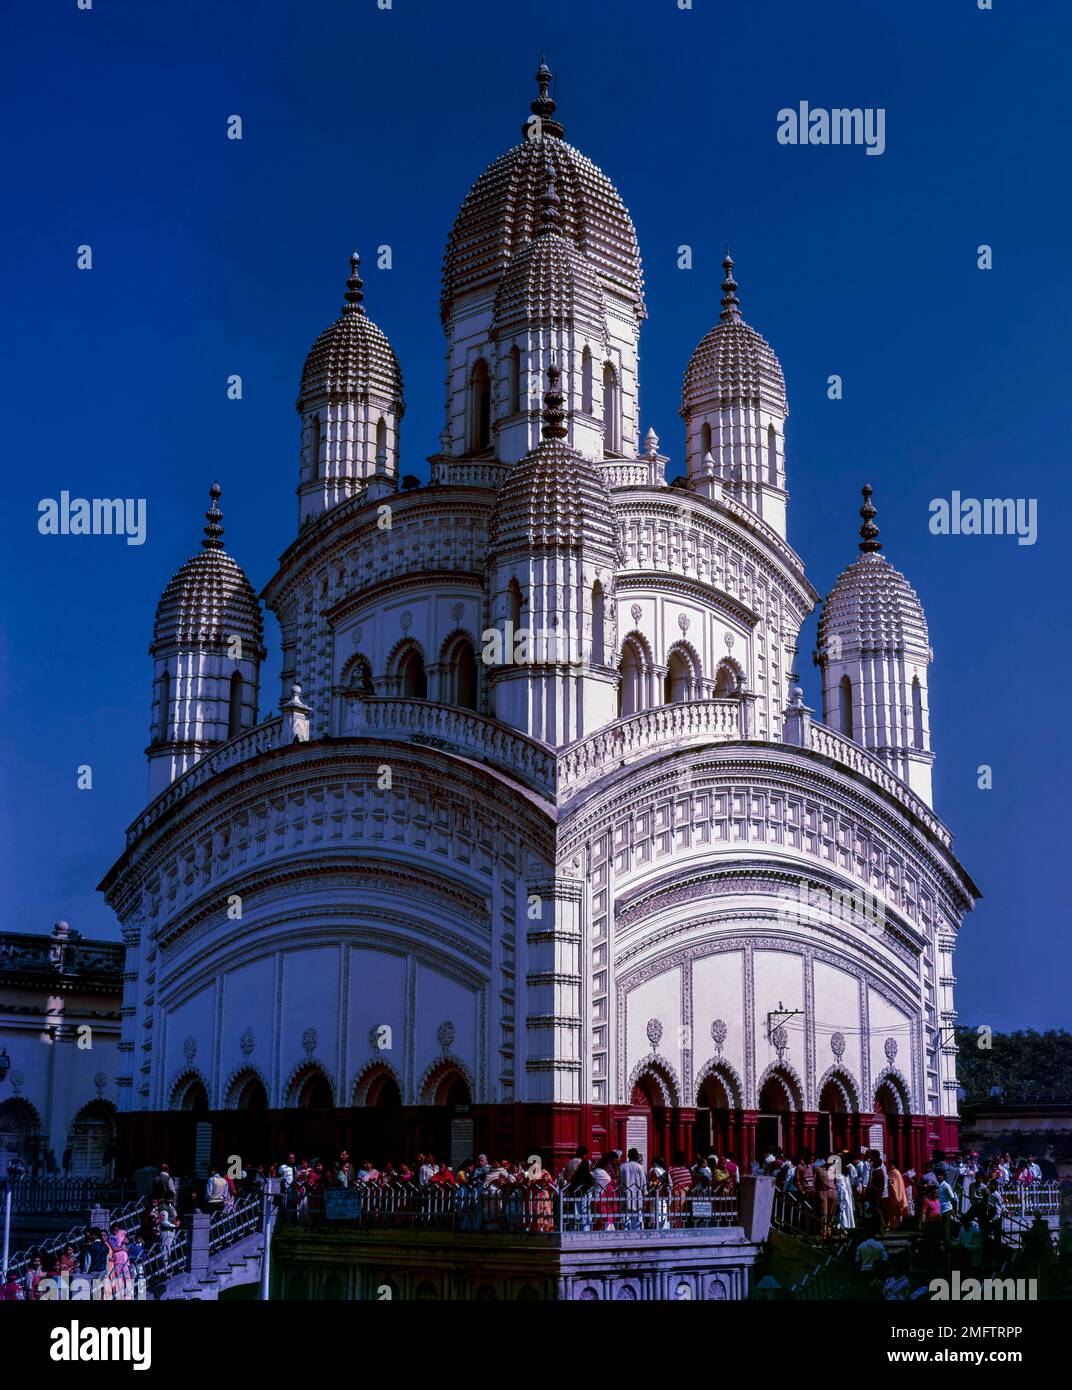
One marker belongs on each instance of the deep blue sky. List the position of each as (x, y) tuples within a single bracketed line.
[(213, 257)]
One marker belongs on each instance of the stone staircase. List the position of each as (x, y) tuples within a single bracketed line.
[(234, 1265)]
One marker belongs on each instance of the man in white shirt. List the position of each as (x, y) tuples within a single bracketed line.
[(869, 1253), (633, 1183)]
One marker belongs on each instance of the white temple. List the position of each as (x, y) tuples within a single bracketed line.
[(543, 845)]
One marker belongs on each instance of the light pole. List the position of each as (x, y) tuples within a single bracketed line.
[(270, 1186), (7, 1225)]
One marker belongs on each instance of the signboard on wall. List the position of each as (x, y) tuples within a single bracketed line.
[(461, 1141), (876, 1137), (202, 1149), (636, 1136)]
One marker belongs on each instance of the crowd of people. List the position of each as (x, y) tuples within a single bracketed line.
[(958, 1202)]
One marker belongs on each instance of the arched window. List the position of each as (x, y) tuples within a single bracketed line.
[(311, 1090), (381, 445), (677, 684), (772, 456), (513, 608), (726, 681), (360, 677), (917, 713), (845, 697), (515, 380), (705, 439), (91, 1140), (598, 620), (631, 680), (248, 1093), (586, 382), (314, 448), (480, 408), (460, 677), (163, 714), (412, 677), (612, 412), (234, 710), (192, 1096)]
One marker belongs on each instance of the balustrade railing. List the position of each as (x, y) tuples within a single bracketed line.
[(58, 1196), (650, 731)]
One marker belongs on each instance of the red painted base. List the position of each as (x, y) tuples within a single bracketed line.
[(510, 1131)]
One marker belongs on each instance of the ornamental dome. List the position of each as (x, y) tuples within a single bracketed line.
[(209, 599), (549, 280), (733, 364), (553, 499), (500, 215), (872, 606), (352, 357)]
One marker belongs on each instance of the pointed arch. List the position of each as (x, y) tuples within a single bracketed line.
[(634, 675), (684, 676), (783, 1086), (246, 1089), (479, 407), (314, 448), (234, 705), (705, 439), (406, 671), (91, 1139), (309, 1088), (612, 411), (447, 1081), (189, 1091), (514, 379), (459, 672), (163, 714), (843, 1083), (729, 679), (845, 706), (357, 675), (20, 1131), (381, 445), (655, 1077), (772, 456), (514, 604), (377, 1086), (917, 713), (727, 1076), (586, 381), (599, 618), (893, 1084)]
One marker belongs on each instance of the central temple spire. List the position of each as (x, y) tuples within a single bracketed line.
[(731, 305), (870, 544), (544, 107)]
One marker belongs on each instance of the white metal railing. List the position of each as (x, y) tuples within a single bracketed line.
[(1032, 1199), (229, 1227)]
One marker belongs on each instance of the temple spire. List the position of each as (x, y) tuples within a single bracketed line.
[(214, 530), (554, 420), (731, 307), (353, 296), (544, 106), (869, 531), (550, 217)]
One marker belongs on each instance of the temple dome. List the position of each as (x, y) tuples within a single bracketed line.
[(872, 606), (733, 364), (501, 212), (209, 599), (553, 499), (549, 280), (352, 357)]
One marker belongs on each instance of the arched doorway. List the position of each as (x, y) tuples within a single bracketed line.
[(891, 1113), (311, 1090), (652, 1097), (20, 1134), (836, 1105), (190, 1093), (779, 1098), (447, 1085), (247, 1093), (92, 1141), (717, 1116)]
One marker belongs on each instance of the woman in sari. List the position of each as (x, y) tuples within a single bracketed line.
[(603, 1195), (896, 1199)]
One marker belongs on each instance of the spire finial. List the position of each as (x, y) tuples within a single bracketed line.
[(543, 106), (731, 307), (869, 531), (214, 530), (353, 296), (554, 420), (550, 218)]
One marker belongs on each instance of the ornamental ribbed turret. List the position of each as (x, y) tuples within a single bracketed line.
[(734, 405), (351, 406), (873, 651), (207, 647)]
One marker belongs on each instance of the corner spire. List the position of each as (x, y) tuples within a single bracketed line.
[(554, 420), (550, 217), (869, 531), (353, 296), (214, 530), (731, 306), (544, 106)]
